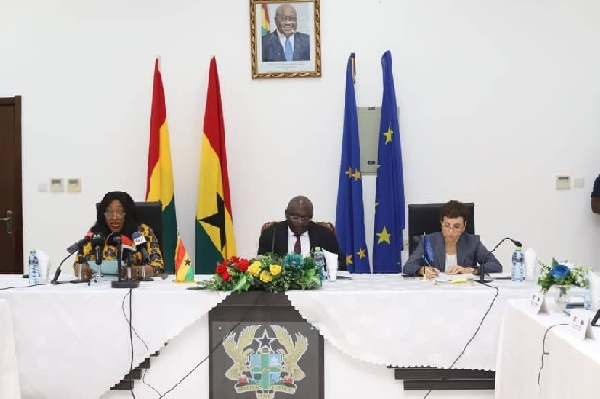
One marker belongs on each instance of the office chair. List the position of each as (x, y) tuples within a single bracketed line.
[(425, 218), (150, 213)]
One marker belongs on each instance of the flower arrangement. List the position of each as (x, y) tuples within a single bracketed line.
[(561, 273), (268, 272)]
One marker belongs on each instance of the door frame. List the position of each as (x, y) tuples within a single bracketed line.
[(18, 191)]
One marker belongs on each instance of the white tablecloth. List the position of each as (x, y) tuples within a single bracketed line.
[(571, 368), (72, 340), (388, 320), (9, 372)]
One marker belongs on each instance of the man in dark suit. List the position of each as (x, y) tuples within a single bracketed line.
[(298, 233), (284, 43), (596, 196)]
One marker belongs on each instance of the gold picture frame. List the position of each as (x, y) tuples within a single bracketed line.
[(285, 38)]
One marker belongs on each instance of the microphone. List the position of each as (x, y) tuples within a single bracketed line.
[(98, 242), (140, 244), (482, 279), (123, 242), (127, 248), (127, 244), (77, 245), (517, 243), (71, 250)]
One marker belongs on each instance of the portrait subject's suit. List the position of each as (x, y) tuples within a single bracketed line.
[(272, 50), (275, 239), (470, 252)]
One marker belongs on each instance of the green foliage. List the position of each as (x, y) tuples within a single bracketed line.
[(266, 273), (560, 273)]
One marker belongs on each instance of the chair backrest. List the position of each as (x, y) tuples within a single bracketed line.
[(329, 225), (150, 213), (425, 218)]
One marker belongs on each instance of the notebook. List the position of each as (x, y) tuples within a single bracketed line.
[(108, 267)]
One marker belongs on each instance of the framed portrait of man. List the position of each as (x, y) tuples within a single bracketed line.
[(285, 38)]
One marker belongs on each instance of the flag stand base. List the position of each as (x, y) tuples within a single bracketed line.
[(125, 284)]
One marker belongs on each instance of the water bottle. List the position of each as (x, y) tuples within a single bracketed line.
[(319, 258), (35, 274), (587, 291), (517, 272)]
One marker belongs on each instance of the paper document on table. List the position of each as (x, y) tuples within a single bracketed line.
[(344, 275), (499, 276), (454, 278)]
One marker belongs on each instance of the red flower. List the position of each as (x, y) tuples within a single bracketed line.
[(243, 264), (226, 276), (222, 268)]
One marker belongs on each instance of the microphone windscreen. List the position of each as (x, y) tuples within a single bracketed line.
[(97, 239), (138, 239), (126, 243)]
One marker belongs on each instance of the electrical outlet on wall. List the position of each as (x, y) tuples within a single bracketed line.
[(563, 183), (74, 185), (56, 185)]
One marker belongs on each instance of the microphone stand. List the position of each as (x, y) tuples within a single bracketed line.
[(482, 279), (122, 283), (57, 272), (595, 319)]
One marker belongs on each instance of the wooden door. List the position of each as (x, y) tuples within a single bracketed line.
[(11, 199)]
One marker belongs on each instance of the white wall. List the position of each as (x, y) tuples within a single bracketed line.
[(496, 99)]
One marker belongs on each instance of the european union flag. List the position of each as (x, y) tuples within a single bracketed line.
[(350, 213), (389, 195)]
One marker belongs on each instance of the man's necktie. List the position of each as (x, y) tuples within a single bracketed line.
[(289, 52), (297, 248)]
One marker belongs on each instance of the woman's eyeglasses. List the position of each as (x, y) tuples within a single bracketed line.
[(448, 226), (114, 215)]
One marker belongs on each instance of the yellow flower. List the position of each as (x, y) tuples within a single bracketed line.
[(265, 277), (254, 268), (275, 269)]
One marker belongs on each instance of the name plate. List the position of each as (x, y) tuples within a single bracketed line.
[(579, 321), (538, 303)]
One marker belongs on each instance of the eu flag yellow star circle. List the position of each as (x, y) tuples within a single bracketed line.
[(361, 253), (350, 174), (388, 135), (384, 236)]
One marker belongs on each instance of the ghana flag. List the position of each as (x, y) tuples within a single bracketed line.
[(264, 24), (159, 184), (184, 271), (214, 221)]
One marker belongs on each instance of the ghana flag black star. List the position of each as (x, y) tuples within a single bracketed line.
[(218, 220)]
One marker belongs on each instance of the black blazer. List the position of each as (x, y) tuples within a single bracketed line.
[(275, 239)]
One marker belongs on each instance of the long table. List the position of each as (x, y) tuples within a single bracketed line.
[(77, 336), (571, 366), (9, 373)]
